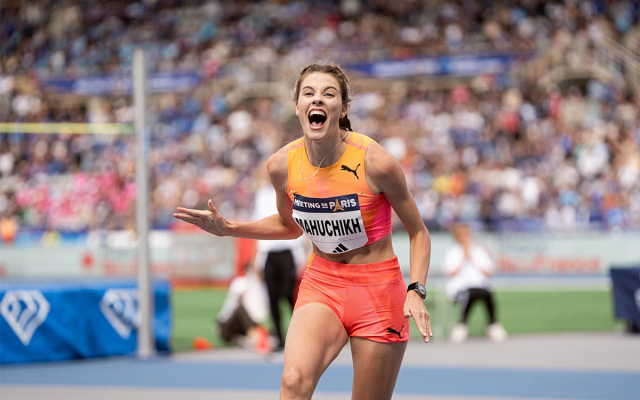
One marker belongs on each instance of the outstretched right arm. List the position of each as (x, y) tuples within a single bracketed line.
[(276, 226)]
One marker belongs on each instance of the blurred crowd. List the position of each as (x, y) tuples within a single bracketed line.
[(69, 39), (500, 152)]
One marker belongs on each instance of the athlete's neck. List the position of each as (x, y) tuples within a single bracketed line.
[(327, 151)]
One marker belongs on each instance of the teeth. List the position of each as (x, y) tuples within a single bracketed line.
[(317, 112)]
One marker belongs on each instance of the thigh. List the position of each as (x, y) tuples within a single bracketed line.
[(375, 368), (478, 294), (377, 312), (244, 319), (314, 339)]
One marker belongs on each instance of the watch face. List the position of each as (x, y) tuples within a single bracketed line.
[(422, 291)]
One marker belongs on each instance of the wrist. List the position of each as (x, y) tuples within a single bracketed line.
[(418, 289), (228, 229)]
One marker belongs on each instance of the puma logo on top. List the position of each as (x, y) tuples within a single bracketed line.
[(391, 330), (345, 168)]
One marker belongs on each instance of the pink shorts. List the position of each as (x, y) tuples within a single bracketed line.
[(368, 298)]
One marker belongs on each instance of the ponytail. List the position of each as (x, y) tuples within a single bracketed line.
[(345, 124)]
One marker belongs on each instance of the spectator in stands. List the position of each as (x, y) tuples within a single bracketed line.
[(469, 268), (498, 149)]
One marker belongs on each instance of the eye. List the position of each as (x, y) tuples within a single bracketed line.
[(330, 94), (307, 93)]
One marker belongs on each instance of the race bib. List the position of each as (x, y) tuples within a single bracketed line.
[(334, 225)]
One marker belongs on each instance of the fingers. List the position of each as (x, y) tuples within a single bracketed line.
[(184, 212), (195, 213), (209, 220), (212, 208), (407, 312), (423, 324), (185, 217), (427, 328), (423, 321), (190, 215)]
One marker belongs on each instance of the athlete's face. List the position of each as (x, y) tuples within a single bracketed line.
[(319, 105)]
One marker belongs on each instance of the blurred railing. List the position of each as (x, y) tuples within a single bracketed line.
[(623, 60)]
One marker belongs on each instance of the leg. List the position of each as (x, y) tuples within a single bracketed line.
[(375, 368), (465, 301), (315, 337), (485, 296), (488, 299), (459, 332), (380, 337), (289, 272), (272, 280), (282, 274), (237, 325), (495, 331)]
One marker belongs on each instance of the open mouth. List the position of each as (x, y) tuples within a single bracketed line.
[(317, 118)]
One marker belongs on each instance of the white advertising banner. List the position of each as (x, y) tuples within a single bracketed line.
[(200, 255), (539, 254)]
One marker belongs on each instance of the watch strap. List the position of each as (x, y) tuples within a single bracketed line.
[(417, 286)]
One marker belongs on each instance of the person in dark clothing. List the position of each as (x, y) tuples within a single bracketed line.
[(280, 277), (279, 261)]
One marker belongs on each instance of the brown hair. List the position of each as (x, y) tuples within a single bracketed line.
[(339, 74)]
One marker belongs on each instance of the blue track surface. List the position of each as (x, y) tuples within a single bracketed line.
[(484, 382)]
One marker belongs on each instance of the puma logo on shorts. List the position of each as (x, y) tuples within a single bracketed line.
[(391, 330)]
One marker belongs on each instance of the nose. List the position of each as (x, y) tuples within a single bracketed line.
[(317, 101)]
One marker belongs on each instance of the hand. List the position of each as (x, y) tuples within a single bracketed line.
[(467, 251), (414, 307), (208, 220)]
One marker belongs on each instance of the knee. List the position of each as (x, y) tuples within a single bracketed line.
[(295, 384)]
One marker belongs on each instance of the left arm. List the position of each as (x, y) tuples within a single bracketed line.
[(384, 175), (483, 261)]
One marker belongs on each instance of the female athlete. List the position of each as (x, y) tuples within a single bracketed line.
[(338, 187)]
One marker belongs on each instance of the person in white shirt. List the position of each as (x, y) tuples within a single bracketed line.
[(244, 309), (277, 259), (469, 267)]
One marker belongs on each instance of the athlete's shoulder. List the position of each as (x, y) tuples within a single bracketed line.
[(383, 170), (277, 167), (379, 160), (294, 145), (279, 158), (359, 140)]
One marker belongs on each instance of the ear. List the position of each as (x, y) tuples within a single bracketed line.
[(297, 110), (343, 113)]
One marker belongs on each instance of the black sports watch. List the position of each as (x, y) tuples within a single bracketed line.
[(418, 287)]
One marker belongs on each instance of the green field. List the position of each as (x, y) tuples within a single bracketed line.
[(519, 311)]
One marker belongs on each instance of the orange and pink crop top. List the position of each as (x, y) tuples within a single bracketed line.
[(336, 208)]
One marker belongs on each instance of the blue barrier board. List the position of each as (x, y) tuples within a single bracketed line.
[(69, 320)]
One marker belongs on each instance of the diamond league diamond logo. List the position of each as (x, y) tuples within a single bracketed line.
[(120, 307), (24, 311)]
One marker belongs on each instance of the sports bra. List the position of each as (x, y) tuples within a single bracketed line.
[(336, 209)]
